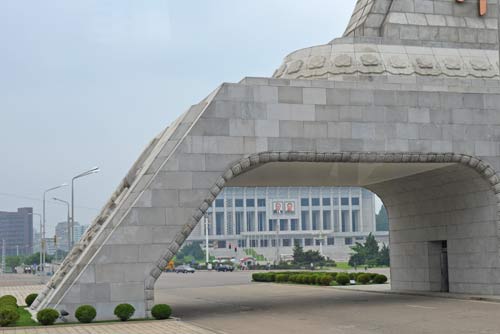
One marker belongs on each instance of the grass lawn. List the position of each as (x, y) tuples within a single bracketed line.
[(343, 265), (24, 318)]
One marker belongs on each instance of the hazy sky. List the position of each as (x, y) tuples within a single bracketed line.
[(88, 83)]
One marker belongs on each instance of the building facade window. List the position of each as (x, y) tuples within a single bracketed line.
[(250, 221), (345, 220), (348, 241), (219, 223), (315, 201), (355, 221), (261, 202), (219, 203), (355, 200), (272, 224), (326, 201), (250, 202), (304, 220), (283, 224), (294, 224), (330, 241), (261, 216), (308, 241), (287, 242), (316, 223), (239, 222), (327, 220), (344, 201), (238, 203), (304, 201)]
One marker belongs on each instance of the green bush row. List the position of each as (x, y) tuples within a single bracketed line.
[(319, 278), (84, 313)]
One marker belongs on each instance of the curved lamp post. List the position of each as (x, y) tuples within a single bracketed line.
[(42, 250), (67, 219)]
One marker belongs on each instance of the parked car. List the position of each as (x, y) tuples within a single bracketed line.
[(225, 268), (184, 269)]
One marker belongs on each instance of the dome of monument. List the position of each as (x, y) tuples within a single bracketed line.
[(405, 38)]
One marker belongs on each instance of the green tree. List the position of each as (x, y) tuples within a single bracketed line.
[(192, 250), (368, 253), (382, 220), (13, 261), (298, 253), (384, 259), (371, 250)]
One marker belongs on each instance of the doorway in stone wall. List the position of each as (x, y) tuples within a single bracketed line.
[(438, 266)]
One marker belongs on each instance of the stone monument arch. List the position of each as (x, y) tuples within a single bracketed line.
[(406, 103)]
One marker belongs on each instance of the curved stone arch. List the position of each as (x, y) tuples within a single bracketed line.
[(484, 169)]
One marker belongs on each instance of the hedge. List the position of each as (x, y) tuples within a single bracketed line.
[(319, 278)]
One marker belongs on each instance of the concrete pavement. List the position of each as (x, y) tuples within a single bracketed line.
[(229, 303), (140, 327)]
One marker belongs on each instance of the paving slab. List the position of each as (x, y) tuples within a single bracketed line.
[(138, 327), (20, 292)]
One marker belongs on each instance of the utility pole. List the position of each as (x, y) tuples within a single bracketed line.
[(205, 218), (17, 250)]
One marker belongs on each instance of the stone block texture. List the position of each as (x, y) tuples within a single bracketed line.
[(371, 101)]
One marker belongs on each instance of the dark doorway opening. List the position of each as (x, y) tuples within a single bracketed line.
[(445, 284)]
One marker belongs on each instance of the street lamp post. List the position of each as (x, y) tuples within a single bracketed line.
[(88, 172), (67, 220), (44, 221), (40, 218)]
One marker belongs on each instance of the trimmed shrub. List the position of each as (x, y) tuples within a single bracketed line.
[(161, 311), (47, 316), (293, 278), (8, 300), (325, 280), (8, 315), (124, 311), (30, 298), (363, 279), (372, 276), (380, 279), (342, 279), (280, 278), (85, 313)]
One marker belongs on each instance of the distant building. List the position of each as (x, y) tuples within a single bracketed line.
[(62, 234), (269, 221), (36, 241), (79, 231), (16, 228), (50, 246)]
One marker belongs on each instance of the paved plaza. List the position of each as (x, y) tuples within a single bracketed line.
[(211, 302), (229, 303), (143, 327)]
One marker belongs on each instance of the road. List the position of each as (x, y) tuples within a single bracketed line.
[(230, 303)]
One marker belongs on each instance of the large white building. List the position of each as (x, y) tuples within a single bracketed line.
[(271, 220)]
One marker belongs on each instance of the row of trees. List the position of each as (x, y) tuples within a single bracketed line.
[(28, 260), (369, 254)]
